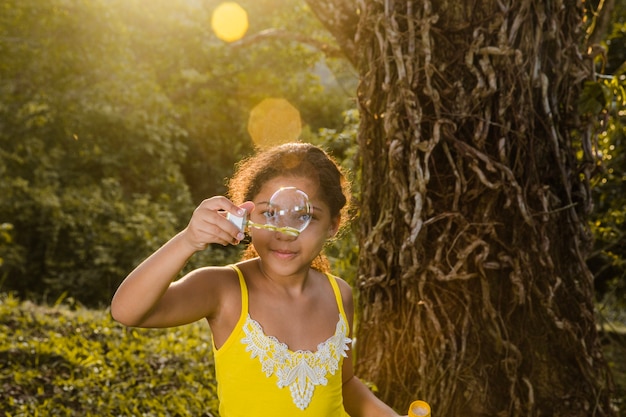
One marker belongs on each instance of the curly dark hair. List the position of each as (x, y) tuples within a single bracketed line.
[(295, 159)]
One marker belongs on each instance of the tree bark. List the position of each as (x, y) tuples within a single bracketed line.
[(341, 19), (473, 290)]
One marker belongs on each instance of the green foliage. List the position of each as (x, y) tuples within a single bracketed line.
[(68, 361), (606, 99), (7, 249), (89, 154), (609, 219), (615, 40), (117, 117), (213, 86)]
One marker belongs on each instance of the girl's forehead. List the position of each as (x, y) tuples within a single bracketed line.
[(305, 184), (309, 186)]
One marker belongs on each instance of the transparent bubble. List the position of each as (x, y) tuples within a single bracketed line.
[(289, 209), (288, 212)]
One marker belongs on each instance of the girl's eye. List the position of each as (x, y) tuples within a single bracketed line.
[(306, 218), (269, 214)]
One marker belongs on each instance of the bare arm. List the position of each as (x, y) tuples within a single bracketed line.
[(148, 298), (358, 400)]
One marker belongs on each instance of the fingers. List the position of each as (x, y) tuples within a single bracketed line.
[(248, 206), (209, 224)]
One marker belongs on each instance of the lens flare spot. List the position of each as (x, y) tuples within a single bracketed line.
[(229, 21), (274, 121)]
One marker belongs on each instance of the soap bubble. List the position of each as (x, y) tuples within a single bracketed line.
[(289, 209)]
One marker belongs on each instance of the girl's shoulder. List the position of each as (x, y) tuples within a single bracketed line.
[(213, 278), (214, 272), (247, 268), (344, 287)]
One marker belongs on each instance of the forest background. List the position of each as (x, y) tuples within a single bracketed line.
[(117, 119)]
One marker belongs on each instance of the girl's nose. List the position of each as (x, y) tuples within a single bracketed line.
[(285, 236)]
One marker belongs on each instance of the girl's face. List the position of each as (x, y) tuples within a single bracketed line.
[(284, 254)]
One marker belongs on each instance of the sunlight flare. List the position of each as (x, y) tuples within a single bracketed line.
[(274, 121), (229, 21)]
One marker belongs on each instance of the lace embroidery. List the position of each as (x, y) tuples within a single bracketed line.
[(301, 371)]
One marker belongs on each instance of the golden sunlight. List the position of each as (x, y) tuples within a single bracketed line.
[(229, 21), (274, 121)]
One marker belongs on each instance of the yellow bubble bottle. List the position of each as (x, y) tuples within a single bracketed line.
[(419, 409)]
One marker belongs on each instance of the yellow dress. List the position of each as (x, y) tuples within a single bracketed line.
[(257, 375)]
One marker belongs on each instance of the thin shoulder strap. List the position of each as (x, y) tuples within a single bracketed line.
[(333, 282), (244, 294)]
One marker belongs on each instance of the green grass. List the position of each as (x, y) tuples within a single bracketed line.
[(72, 361), (59, 361)]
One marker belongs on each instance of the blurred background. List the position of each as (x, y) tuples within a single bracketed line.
[(117, 117)]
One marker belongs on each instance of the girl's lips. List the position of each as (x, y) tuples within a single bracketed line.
[(283, 254)]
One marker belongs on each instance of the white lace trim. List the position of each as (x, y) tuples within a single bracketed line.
[(302, 370)]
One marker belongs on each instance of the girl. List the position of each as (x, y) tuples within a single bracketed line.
[(280, 322)]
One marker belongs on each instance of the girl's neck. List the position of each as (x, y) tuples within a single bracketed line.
[(292, 284)]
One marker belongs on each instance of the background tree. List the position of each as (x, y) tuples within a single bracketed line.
[(118, 116), (475, 195)]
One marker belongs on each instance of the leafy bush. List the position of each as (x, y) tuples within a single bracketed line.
[(606, 99), (117, 119), (67, 360)]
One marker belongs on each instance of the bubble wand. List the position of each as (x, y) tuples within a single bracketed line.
[(288, 212)]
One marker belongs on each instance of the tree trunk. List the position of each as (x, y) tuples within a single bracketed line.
[(473, 290)]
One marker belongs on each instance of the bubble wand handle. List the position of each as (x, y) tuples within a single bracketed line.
[(284, 229), (419, 409), (243, 224)]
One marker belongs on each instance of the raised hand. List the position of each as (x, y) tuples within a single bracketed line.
[(208, 224)]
